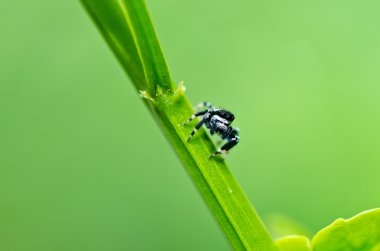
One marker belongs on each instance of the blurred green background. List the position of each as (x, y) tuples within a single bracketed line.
[(83, 166)]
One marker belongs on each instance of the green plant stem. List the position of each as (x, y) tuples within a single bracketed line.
[(127, 28)]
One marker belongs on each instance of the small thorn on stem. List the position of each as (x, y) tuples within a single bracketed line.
[(181, 88), (145, 95)]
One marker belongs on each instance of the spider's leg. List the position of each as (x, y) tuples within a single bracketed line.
[(195, 115), (205, 118), (201, 105), (226, 147)]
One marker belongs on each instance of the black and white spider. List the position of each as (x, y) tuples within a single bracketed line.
[(217, 121)]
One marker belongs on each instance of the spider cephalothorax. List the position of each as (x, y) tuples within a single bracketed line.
[(217, 121)]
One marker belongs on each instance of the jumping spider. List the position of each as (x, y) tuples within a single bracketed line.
[(216, 120)]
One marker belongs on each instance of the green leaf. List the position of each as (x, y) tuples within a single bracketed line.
[(362, 232), (127, 28), (109, 17), (152, 58), (293, 243)]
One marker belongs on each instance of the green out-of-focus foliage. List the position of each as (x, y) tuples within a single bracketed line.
[(294, 243), (302, 78), (360, 233), (280, 225)]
